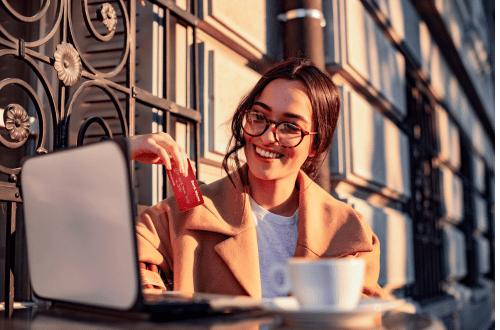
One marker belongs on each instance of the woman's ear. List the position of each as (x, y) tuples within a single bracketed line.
[(312, 149), (312, 152)]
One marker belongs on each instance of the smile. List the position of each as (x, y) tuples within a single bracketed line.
[(267, 154)]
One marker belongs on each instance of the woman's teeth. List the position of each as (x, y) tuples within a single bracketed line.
[(267, 154)]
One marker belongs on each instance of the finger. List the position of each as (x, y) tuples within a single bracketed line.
[(167, 163), (153, 268), (176, 151), (142, 265), (162, 154), (180, 158), (165, 141), (164, 157)]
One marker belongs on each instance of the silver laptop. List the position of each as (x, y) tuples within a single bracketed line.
[(82, 251)]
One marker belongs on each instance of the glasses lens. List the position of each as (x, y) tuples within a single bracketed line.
[(254, 123), (288, 134)]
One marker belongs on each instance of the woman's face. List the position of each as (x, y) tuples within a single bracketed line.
[(281, 100)]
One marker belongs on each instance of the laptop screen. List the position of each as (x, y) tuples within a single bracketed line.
[(80, 226)]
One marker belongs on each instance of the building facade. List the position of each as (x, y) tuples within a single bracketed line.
[(413, 150)]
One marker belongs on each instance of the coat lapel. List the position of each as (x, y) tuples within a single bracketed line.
[(327, 227), (240, 253), (230, 207)]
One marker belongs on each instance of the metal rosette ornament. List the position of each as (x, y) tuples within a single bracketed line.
[(67, 64), (17, 122), (107, 15)]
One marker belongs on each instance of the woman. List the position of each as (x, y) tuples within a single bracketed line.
[(266, 210)]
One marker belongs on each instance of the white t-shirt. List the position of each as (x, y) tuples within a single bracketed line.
[(276, 239)]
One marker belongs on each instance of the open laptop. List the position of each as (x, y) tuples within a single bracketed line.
[(80, 227)]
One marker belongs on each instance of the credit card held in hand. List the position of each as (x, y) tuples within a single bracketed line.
[(186, 190)]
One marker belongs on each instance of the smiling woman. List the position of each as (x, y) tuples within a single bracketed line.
[(265, 211)]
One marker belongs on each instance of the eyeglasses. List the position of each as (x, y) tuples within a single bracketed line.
[(287, 134)]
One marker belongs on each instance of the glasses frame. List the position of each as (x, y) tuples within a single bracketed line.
[(270, 122)]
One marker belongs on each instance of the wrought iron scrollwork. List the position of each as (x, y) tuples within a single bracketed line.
[(15, 117), (30, 19), (90, 121), (108, 15), (70, 107)]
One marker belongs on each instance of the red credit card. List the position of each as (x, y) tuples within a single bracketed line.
[(186, 190)]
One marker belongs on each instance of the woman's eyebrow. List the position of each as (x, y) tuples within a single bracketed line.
[(262, 105), (286, 114)]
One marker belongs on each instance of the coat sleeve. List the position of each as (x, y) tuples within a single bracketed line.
[(153, 243)]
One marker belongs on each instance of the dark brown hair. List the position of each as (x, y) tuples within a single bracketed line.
[(325, 101)]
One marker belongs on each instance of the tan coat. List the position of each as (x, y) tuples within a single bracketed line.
[(213, 247)]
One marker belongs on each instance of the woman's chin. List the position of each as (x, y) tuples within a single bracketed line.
[(266, 174)]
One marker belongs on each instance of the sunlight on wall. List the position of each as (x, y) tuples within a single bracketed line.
[(483, 254), (232, 16), (393, 9), (452, 195), (395, 232), (357, 53), (380, 151), (373, 56), (448, 138), (481, 216), (232, 82), (455, 253), (478, 170), (397, 160), (181, 66)]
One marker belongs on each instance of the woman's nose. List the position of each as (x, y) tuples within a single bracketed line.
[(269, 135)]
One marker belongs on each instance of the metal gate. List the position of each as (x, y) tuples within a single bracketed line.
[(68, 76)]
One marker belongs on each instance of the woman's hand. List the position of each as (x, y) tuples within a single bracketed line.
[(158, 148), (153, 288)]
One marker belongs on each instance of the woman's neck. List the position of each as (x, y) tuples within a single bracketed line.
[(277, 196)]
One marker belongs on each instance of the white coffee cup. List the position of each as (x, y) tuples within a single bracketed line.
[(324, 283)]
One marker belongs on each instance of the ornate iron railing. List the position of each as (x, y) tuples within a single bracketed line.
[(38, 117)]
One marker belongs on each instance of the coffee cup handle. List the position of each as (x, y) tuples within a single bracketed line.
[(282, 271)]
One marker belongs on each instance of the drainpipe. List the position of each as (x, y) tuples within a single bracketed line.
[(303, 24)]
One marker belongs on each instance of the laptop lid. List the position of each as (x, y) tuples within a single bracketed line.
[(80, 231)]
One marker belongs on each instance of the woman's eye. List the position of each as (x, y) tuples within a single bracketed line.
[(257, 116), (290, 128)]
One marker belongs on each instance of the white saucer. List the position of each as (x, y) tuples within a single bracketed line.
[(364, 315)]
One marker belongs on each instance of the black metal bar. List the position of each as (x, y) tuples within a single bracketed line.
[(131, 70), (167, 56), (178, 11), (196, 94), (146, 97), (87, 123), (10, 243)]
